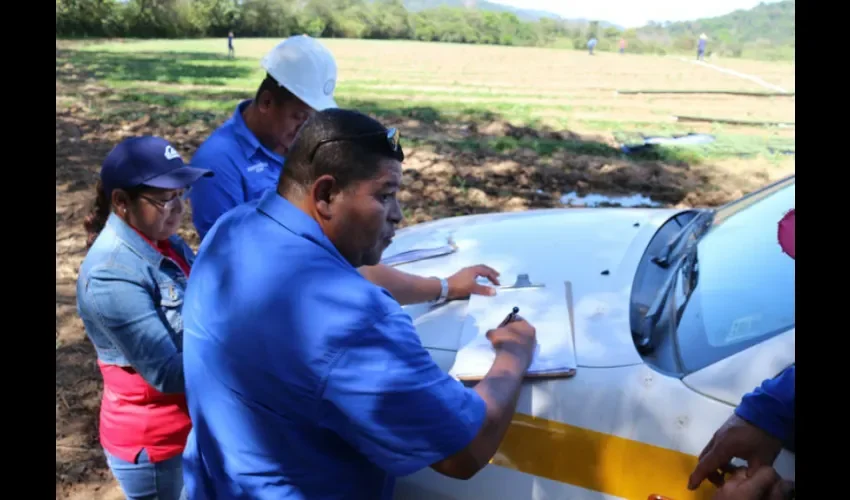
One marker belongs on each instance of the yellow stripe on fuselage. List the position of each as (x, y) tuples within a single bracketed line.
[(597, 461)]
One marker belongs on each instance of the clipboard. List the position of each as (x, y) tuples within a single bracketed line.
[(549, 309)]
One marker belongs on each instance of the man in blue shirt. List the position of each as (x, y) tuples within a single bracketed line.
[(701, 47), (248, 151), (324, 390)]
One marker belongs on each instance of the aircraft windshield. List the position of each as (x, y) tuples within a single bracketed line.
[(744, 283)]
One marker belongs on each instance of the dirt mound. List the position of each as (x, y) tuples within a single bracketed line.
[(436, 186)]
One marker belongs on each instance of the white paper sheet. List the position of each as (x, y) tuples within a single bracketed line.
[(545, 308)]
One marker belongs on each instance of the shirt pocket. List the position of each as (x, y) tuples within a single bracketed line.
[(171, 305)]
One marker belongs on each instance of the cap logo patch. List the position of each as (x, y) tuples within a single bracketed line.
[(171, 153), (329, 86)]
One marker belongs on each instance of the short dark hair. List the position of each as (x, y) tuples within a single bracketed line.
[(355, 158), (280, 94)]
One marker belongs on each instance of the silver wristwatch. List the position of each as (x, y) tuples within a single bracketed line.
[(444, 291)]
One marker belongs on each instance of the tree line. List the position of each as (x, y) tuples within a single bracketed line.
[(369, 19)]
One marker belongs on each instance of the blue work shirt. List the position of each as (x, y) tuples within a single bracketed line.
[(244, 170), (304, 380), (772, 407)]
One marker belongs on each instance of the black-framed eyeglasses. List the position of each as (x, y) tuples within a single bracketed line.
[(168, 203), (393, 138)]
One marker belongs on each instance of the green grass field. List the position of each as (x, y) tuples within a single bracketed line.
[(561, 89)]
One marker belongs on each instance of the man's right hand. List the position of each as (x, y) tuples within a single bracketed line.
[(500, 388), (736, 438), (517, 337)]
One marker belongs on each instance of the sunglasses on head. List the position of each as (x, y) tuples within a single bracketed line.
[(392, 136)]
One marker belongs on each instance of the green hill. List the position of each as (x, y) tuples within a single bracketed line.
[(767, 30), (764, 32), (527, 15), (522, 14)]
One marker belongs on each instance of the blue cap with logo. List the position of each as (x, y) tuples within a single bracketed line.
[(147, 161)]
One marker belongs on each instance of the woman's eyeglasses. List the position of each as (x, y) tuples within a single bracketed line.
[(393, 137), (163, 204)]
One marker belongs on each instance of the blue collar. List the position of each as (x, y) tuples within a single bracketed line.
[(250, 140), (296, 221), (136, 243)]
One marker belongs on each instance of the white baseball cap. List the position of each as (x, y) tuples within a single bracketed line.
[(306, 68)]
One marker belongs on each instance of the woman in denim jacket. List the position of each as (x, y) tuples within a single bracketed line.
[(129, 296)]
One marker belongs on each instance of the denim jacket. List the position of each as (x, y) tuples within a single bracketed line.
[(130, 298)]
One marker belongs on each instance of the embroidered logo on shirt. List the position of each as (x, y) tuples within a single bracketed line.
[(171, 153), (258, 167)]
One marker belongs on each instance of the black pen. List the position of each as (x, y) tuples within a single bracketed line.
[(510, 317)]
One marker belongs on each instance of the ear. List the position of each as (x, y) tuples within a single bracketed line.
[(265, 101), (120, 200), (323, 193)]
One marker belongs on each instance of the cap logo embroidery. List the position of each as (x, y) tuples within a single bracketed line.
[(329, 86), (171, 153)]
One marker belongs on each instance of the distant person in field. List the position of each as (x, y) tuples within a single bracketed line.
[(247, 154), (701, 47), (591, 44), (230, 51), (130, 298), (622, 45)]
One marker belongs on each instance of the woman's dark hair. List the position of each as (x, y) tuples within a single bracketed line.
[(96, 219)]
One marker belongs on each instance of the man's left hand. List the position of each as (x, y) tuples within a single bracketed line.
[(464, 283)]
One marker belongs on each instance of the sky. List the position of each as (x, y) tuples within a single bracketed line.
[(632, 14)]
